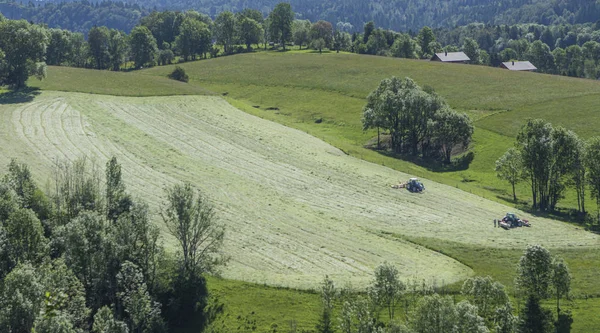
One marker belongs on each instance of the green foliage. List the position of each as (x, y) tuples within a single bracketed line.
[(26, 241), (547, 158), (179, 75), (77, 187), (485, 293), (434, 314), (98, 44), (64, 297), (105, 322), (118, 49), (225, 30), (20, 299), (90, 251), (509, 167), (328, 295), (561, 281), (143, 314), (117, 201), (143, 47), (471, 49), (591, 161), (194, 39), (301, 32), (467, 320), (534, 272), (425, 38), (190, 218), (250, 32), (322, 31), (504, 319), (280, 23), (20, 180), (387, 287), (23, 46)]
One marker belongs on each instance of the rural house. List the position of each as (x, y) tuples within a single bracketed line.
[(458, 57), (518, 66)]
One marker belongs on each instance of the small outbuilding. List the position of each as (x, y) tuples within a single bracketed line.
[(518, 66), (456, 57)]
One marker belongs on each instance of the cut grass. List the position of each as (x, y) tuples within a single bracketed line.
[(307, 86), (295, 207), (313, 86)]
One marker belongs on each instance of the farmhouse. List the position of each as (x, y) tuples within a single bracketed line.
[(518, 66), (458, 57)]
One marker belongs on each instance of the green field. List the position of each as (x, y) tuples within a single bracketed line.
[(297, 206), (333, 87)]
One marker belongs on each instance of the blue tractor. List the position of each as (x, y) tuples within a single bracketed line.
[(415, 186)]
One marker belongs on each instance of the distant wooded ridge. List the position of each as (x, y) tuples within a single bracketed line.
[(399, 15)]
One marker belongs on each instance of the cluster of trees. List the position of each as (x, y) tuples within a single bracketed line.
[(552, 159), (419, 121), (486, 306), (396, 14), (77, 16), (87, 258)]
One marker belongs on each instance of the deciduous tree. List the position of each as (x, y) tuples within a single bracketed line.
[(280, 23), (510, 167), (143, 47)]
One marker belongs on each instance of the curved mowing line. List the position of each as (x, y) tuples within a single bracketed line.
[(296, 208)]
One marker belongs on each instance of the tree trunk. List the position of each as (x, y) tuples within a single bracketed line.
[(378, 139), (514, 193)]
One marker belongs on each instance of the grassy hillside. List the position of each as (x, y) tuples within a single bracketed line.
[(305, 87), (160, 139), (294, 206), (112, 83)]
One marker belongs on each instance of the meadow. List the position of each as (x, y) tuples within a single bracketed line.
[(284, 193), (332, 87)]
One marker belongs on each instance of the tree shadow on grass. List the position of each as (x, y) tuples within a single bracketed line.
[(431, 164), (19, 96)]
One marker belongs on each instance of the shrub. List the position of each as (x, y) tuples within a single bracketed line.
[(179, 75)]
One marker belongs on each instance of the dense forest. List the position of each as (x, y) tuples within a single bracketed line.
[(78, 16), (397, 15)]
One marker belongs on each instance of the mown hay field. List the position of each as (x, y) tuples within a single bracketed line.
[(295, 207), (333, 87)]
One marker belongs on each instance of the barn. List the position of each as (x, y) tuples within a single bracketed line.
[(518, 66), (453, 57)]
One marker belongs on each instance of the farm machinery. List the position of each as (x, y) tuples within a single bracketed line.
[(413, 185), (510, 220)]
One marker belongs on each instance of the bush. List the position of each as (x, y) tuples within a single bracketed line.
[(179, 75)]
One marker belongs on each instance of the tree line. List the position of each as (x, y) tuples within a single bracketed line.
[(552, 160), (165, 37), (391, 305), (419, 121), (85, 257)]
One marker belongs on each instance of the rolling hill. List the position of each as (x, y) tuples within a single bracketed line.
[(295, 207), (447, 229)]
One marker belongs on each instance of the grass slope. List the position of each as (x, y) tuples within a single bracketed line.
[(308, 86), (296, 208)]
